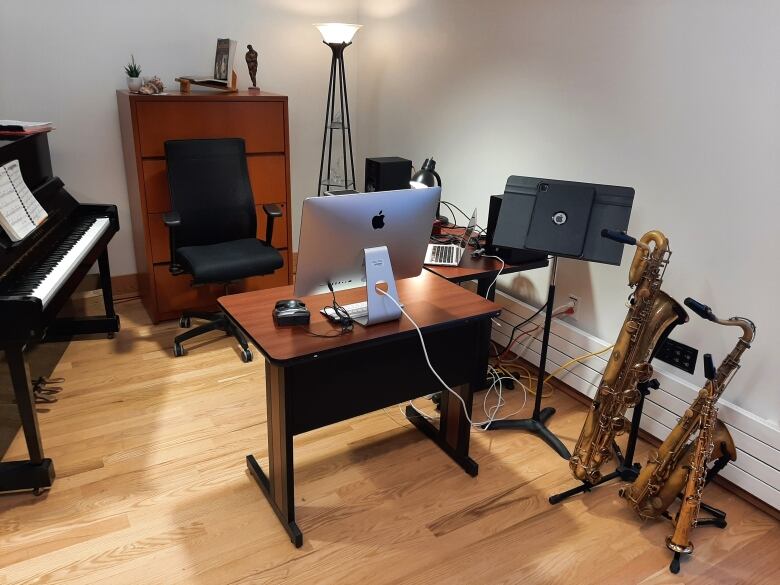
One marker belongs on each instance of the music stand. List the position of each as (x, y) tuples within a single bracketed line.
[(565, 220)]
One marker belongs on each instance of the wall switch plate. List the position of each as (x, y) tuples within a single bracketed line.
[(678, 355)]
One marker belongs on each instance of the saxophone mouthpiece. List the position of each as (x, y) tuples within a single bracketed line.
[(709, 367), (700, 309), (620, 237)]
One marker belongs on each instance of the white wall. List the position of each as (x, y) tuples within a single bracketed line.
[(63, 61), (677, 99)]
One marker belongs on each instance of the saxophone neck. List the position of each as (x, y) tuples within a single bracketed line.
[(747, 326), (647, 255)]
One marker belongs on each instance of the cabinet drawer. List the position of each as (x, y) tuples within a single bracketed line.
[(260, 124), (158, 233), (175, 293), (267, 174)]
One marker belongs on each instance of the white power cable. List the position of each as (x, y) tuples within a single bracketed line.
[(503, 265), (477, 425)]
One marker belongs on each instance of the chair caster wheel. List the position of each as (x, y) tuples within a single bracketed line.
[(246, 355), (178, 350), (184, 322)]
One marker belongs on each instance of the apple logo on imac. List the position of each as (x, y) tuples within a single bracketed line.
[(378, 221)]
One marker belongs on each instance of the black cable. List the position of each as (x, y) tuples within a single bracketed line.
[(516, 327), (344, 320), (463, 213), (452, 212)]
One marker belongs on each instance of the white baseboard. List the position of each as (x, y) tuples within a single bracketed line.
[(757, 468)]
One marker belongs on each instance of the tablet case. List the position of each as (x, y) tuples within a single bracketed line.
[(559, 222)]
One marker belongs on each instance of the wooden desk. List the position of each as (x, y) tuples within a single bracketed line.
[(313, 381), (483, 270)]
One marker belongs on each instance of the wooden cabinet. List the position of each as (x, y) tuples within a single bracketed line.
[(260, 118)]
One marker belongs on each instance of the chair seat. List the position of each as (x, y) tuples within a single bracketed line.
[(228, 261)]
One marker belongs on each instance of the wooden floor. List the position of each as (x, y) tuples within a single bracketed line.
[(152, 488)]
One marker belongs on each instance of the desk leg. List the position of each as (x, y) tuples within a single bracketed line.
[(278, 485), (452, 436), (482, 288)]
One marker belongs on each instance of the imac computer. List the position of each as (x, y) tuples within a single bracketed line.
[(365, 240)]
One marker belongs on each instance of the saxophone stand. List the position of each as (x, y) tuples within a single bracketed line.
[(717, 517), (536, 424), (626, 469)]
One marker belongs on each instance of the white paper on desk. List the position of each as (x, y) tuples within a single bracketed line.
[(20, 212)]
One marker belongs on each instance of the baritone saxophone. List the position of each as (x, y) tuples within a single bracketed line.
[(652, 314)]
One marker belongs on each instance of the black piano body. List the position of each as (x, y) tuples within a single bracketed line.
[(57, 254)]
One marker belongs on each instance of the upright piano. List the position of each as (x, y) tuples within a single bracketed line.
[(38, 274)]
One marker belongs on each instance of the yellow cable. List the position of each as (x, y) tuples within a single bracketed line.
[(526, 374), (578, 359)]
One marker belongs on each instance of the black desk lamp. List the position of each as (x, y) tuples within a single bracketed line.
[(428, 177)]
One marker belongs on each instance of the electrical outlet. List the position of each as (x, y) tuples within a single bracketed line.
[(678, 355)]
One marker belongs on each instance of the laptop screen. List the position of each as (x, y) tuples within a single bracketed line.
[(469, 230)]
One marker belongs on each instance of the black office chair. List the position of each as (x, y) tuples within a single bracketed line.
[(213, 225)]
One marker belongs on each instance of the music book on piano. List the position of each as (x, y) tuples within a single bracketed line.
[(20, 212)]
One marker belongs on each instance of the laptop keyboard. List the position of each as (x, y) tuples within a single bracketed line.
[(443, 253)]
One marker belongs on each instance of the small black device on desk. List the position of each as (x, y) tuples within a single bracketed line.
[(290, 312)]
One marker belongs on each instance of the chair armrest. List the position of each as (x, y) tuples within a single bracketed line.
[(172, 220), (272, 210)]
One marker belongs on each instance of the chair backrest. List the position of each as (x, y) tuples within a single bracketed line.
[(210, 189)]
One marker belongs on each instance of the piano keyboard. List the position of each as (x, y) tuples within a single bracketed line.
[(45, 280)]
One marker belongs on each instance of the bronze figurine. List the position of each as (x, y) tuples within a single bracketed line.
[(251, 63)]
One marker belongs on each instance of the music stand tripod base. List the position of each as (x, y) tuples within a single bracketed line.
[(535, 426)]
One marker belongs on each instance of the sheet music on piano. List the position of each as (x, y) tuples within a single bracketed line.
[(20, 212)]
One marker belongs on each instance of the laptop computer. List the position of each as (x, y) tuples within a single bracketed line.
[(451, 254)]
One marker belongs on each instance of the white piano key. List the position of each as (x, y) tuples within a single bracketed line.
[(54, 280)]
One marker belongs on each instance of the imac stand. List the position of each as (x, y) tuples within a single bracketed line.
[(379, 274)]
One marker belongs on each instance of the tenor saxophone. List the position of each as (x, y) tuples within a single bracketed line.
[(652, 314), (666, 472)]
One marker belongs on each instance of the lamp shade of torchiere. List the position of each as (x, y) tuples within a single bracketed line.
[(428, 177), (338, 36)]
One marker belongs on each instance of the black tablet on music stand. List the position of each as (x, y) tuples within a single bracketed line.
[(559, 222)]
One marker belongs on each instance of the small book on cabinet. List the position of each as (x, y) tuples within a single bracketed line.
[(223, 65), (20, 212)]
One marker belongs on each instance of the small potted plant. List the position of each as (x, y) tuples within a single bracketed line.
[(133, 70)]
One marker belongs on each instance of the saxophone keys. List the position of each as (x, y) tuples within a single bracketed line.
[(618, 424)]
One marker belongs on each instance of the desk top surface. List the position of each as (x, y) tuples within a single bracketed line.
[(430, 300)]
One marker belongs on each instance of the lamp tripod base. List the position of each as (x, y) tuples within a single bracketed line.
[(534, 425)]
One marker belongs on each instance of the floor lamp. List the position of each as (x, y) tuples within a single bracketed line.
[(338, 36)]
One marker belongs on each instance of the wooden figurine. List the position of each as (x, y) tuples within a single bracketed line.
[(251, 63)]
